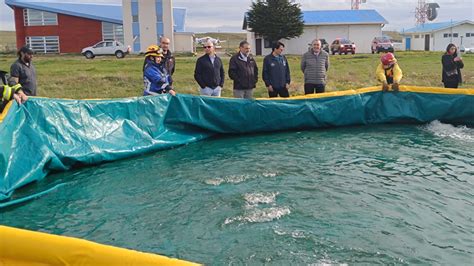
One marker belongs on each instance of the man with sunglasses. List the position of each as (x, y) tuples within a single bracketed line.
[(209, 72)]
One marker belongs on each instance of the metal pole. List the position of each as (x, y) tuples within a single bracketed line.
[(451, 30)]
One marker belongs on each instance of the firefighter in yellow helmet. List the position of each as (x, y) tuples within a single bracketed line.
[(155, 77), (9, 92)]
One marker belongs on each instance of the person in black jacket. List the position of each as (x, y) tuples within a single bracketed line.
[(243, 71), (169, 61), (276, 72), (452, 65), (209, 72)]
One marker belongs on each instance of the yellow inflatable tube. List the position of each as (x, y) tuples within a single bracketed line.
[(23, 247)]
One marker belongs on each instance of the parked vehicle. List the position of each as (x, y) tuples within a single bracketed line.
[(343, 46), (467, 50), (382, 44), (106, 48), (324, 45)]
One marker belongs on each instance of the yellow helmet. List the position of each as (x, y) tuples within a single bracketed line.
[(154, 50)]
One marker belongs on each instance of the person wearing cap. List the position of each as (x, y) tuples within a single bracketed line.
[(155, 77), (388, 72), (23, 72), (209, 72)]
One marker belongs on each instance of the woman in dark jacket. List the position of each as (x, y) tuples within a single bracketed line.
[(452, 65)]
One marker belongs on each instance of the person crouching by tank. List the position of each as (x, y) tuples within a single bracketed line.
[(452, 65), (388, 72), (10, 91), (155, 77)]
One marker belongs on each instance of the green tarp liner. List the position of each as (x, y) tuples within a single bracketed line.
[(47, 135)]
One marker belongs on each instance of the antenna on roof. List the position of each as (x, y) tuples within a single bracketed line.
[(355, 4)]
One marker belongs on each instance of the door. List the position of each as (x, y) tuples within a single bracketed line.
[(258, 46), (408, 44), (427, 42)]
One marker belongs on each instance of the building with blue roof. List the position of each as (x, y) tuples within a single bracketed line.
[(359, 26), (437, 36), (53, 27)]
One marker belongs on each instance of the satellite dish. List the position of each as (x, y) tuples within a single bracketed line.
[(432, 13)]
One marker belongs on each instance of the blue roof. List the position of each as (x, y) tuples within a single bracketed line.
[(429, 27), (103, 12), (331, 17)]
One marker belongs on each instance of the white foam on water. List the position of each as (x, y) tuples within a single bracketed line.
[(449, 131), (214, 182), (260, 215), (327, 263), (260, 197), (269, 174), (236, 179)]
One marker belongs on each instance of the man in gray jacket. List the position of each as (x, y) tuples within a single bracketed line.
[(315, 64)]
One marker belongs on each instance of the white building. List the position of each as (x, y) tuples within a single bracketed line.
[(437, 36), (359, 26), (146, 21)]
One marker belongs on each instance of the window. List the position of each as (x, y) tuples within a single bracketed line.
[(417, 36), (112, 32), (99, 45), (109, 44), (159, 10), (468, 35), (267, 43), (455, 35), (135, 18), (43, 44), (33, 17), (445, 35)]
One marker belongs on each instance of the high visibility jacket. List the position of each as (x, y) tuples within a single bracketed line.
[(7, 92), (391, 75)]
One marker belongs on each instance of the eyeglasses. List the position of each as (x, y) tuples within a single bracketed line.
[(207, 47)]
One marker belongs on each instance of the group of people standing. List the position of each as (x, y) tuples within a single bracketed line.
[(243, 70)]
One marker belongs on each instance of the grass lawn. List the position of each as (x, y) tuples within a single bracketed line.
[(73, 76), (7, 41)]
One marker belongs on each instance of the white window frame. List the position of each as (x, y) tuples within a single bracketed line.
[(112, 32), (33, 17), (43, 44)]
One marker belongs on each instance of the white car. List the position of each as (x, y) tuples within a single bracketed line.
[(467, 50), (106, 48)]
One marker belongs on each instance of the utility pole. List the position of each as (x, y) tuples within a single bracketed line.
[(355, 4), (420, 12)]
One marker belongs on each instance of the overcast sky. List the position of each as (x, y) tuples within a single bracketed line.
[(227, 15)]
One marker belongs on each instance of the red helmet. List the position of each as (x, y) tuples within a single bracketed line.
[(388, 59)]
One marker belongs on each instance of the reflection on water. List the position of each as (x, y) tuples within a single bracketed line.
[(386, 194)]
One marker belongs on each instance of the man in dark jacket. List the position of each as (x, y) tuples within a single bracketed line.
[(276, 72), (209, 72), (244, 72), (168, 59)]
